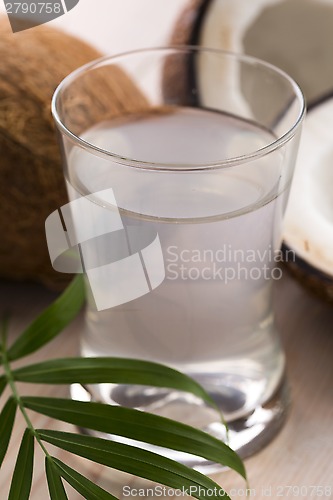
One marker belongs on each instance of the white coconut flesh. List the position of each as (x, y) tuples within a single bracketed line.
[(295, 35), (225, 22), (308, 227), (243, 26)]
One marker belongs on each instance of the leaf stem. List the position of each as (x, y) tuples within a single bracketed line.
[(12, 385)]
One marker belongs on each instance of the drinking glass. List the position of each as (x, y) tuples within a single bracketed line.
[(178, 163)]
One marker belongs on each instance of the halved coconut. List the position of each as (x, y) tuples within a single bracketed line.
[(297, 36), (308, 227)]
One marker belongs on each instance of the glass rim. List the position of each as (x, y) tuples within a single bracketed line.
[(181, 167)]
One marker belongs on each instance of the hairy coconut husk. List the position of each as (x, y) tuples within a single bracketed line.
[(101, 95), (32, 64)]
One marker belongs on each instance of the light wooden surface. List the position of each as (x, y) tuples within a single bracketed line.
[(301, 455)]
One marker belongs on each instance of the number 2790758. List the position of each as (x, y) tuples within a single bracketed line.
[(33, 8)]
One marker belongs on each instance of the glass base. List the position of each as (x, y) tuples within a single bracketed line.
[(247, 435)]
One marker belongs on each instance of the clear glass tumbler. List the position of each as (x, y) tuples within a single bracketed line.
[(184, 157)]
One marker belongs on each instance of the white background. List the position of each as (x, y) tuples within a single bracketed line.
[(118, 25)]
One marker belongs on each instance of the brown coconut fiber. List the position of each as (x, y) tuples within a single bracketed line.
[(32, 64)]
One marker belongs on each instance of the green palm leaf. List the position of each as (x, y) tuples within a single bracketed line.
[(3, 384), (109, 370), (124, 422), (83, 485), (22, 477), (7, 418), (135, 461), (137, 425), (56, 488), (51, 322)]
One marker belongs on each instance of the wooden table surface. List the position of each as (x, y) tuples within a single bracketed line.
[(300, 456)]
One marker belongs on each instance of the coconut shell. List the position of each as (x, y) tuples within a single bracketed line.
[(189, 22), (32, 64), (317, 282), (176, 81)]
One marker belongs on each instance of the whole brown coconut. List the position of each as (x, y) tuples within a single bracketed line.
[(32, 64)]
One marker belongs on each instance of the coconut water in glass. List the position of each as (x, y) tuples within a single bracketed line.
[(200, 178)]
